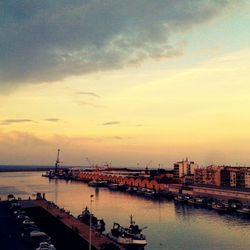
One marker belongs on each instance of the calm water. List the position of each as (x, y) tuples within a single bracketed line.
[(168, 226)]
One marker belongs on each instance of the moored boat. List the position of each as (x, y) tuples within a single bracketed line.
[(179, 198), (98, 183), (132, 190), (221, 207), (141, 191), (96, 224), (129, 237), (244, 211), (199, 201), (150, 193)]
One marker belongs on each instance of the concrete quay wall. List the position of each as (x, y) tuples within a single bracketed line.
[(66, 231), (221, 193)]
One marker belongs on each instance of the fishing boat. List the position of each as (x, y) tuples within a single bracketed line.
[(96, 223), (129, 237)]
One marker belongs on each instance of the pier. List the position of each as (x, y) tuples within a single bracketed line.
[(64, 229)]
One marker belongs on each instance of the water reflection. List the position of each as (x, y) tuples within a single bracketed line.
[(169, 226)]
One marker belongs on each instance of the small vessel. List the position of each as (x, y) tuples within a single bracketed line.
[(150, 193), (132, 190), (244, 211), (221, 206), (198, 201), (179, 198), (98, 183), (129, 237), (190, 200), (96, 224), (113, 186), (141, 191)]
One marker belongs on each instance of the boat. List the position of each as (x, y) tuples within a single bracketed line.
[(46, 174), (244, 211), (96, 224), (150, 193), (129, 237), (141, 191), (46, 246), (190, 200), (221, 207), (132, 190), (98, 183), (179, 198), (234, 205), (198, 201), (113, 186)]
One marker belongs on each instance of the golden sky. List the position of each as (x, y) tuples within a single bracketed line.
[(160, 102)]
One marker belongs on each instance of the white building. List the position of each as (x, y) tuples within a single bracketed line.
[(184, 167)]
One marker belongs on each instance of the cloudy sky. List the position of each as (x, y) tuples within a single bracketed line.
[(124, 81)]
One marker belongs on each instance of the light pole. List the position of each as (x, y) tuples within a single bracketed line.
[(90, 220)]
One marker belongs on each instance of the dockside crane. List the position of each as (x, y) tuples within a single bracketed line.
[(57, 160), (90, 164)]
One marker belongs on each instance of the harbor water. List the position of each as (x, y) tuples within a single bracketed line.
[(168, 226)]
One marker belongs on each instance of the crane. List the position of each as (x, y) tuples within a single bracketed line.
[(93, 165), (90, 164), (57, 160)]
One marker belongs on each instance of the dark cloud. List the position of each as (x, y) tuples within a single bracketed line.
[(111, 123), (92, 94), (50, 40), (11, 121), (52, 119)]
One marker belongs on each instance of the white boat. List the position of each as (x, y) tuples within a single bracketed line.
[(244, 210), (46, 246), (128, 236), (150, 193)]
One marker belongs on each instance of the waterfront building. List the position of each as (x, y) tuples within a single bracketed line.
[(247, 179), (184, 167), (188, 179), (238, 177), (210, 175)]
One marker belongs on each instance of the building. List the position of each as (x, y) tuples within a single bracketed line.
[(184, 167), (210, 175), (238, 177)]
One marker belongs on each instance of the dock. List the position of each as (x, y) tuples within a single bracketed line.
[(65, 230)]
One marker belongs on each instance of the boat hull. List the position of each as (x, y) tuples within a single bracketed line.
[(128, 242)]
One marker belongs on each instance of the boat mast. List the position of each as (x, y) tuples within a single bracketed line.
[(131, 220)]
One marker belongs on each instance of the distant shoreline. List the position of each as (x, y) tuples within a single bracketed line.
[(23, 168)]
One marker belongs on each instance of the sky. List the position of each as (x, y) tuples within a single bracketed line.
[(125, 81)]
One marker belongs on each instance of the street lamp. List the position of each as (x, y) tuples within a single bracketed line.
[(90, 220)]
